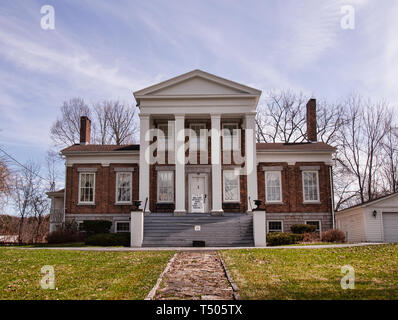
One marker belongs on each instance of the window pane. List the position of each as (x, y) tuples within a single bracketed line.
[(124, 186), (123, 227), (198, 137), (230, 134), (165, 186), (273, 186), (231, 186), (86, 187), (310, 186), (314, 223), (275, 226)]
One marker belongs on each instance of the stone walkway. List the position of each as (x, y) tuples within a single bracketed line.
[(195, 275)]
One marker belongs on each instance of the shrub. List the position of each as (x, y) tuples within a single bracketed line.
[(109, 239), (96, 226), (333, 235), (65, 236), (282, 238), (311, 237), (303, 228)]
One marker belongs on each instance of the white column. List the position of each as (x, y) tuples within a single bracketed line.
[(144, 161), (251, 160), (259, 231), (179, 148), (216, 179), (136, 228)]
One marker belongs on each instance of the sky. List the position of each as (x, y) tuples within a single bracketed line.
[(108, 49)]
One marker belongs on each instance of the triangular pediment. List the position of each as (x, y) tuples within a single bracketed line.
[(196, 83)]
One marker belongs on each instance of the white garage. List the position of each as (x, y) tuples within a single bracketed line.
[(374, 221)]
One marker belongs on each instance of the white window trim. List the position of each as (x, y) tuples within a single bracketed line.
[(320, 224), (166, 136), (317, 183), (117, 222), (203, 127), (236, 125), (280, 189), (80, 180), (157, 187), (131, 187), (223, 185), (281, 221)]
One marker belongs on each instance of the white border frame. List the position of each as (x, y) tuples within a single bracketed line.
[(281, 221), (131, 188), (117, 222), (317, 220), (157, 186), (317, 182), (223, 186), (86, 202), (280, 189), (206, 203)]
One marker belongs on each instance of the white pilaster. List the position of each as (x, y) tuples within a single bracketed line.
[(179, 135), (136, 228), (259, 231), (144, 161), (250, 161), (216, 179)]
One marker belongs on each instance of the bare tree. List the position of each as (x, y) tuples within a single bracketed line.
[(122, 122), (40, 207), (24, 190), (53, 160), (101, 113), (390, 159), (5, 182), (66, 129)]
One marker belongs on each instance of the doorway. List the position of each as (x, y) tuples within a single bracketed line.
[(198, 199)]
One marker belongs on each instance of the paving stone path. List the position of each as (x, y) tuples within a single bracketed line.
[(195, 275)]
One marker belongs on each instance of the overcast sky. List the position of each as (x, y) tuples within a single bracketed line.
[(107, 49)]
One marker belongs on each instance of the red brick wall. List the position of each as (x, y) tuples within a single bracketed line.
[(292, 189), (105, 189)]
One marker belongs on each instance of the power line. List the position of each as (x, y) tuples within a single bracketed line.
[(23, 166)]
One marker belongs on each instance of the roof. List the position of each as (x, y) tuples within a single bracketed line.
[(55, 193), (370, 202), (281, 147), (295, 147), (101, 148)]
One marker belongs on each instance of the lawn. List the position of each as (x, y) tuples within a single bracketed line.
[(80, 274), (314, 273)]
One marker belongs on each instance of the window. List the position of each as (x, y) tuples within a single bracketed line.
[(198, 137), (316, 223), (165, 186), (310, 186), (163, 140), (122, 226), (123, 187), (86, 188), (273, 188), (275, 226), (231, 186), (231, 137)]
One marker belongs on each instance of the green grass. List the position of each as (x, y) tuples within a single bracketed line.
[(80, 274), (314, 273)]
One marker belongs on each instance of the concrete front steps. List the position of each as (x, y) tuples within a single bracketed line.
[(166, 230)]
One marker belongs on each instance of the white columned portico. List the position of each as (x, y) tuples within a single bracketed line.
[(180, 164), (144, 161), (251, 160), (216, 179)]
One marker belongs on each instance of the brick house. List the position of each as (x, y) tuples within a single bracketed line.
[(198, 169)]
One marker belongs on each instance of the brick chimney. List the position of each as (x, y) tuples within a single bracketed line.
[(85, 129), (311, 120)]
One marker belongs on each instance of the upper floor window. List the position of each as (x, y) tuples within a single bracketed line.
[(310, 186), (163, 137), (231, 136), (165, 186), (198, 137), (123, 187), (86, 187), (231, 186), (273, 186)]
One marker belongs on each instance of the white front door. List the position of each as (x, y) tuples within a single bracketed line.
[(198, 195)]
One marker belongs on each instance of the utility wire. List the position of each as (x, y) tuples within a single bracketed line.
[(20, 164)]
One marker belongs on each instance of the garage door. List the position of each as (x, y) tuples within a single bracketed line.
[(390, 224)]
